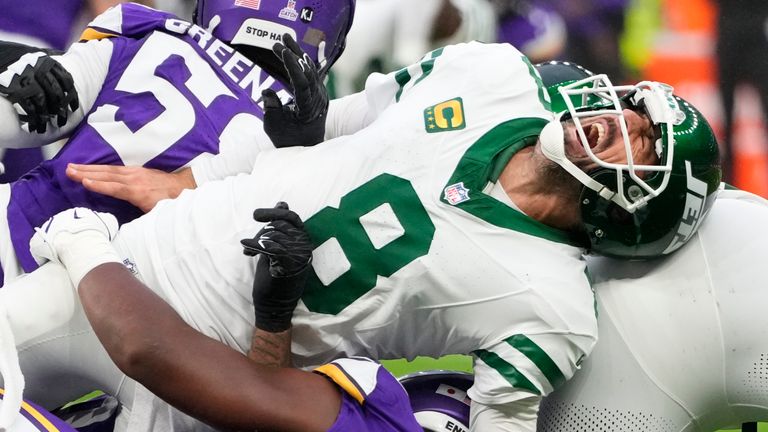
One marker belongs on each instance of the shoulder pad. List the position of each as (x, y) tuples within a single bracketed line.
[(126, 20), (357, 376)]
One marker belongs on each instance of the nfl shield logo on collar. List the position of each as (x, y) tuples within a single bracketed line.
[(456, 193)]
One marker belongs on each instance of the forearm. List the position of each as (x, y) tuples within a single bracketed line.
[(271, 349), (347, 115), (87, 63), (126, 316), (150, 342)]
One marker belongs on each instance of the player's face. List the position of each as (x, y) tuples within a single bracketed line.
[(603, 134)]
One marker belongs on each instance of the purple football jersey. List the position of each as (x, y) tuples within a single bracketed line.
[(170, 91), (51, 22), (372, 399)]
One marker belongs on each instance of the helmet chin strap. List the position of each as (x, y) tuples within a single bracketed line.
[(552, 140)]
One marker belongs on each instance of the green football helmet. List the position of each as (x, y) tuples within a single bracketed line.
[(631, 210)]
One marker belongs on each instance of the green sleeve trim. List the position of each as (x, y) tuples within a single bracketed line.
[(540, 358), (509, 372), (403, 77)]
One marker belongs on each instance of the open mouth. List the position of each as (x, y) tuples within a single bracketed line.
[(595, 134)]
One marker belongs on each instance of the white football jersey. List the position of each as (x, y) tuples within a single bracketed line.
[(683, 339), (413, 255)]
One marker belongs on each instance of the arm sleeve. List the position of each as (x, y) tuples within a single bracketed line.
[(239, 145), (518, 416), (347, 115), (351, 113), (88, 64), (523, 366)]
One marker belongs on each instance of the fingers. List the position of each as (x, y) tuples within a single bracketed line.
[(271, 100), (103, 179), (95, 173), (114, 173), (295, 61), (278, 213), (54, 95), (67, 84), (297, 69), (31, 111), (269, 243), (292, 45), (120, 191)]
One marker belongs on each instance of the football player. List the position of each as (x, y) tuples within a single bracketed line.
[(157, 92), (453, 202), (152, 344), (682, 339), (389, 34)]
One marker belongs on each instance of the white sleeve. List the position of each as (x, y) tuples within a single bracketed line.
[(349, 114), (88, 64), (239, 144), (518, 416)]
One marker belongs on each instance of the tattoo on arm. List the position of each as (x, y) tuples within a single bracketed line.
[(271, 349)]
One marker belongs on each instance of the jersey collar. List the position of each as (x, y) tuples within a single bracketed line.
[(482, 163)]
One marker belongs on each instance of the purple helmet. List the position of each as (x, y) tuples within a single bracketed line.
[(314, 24), (439, 399)]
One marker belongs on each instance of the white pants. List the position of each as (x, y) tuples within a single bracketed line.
[(11, 267), (59, 353)]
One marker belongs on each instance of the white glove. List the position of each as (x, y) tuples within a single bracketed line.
[(78, 238)]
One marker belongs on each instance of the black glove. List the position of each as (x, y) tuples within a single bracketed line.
[(38, 87), (282, 270), (301, 122)]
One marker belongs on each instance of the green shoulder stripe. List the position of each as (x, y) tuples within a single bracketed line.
[(403, 77), (509, 372), (542, 361)]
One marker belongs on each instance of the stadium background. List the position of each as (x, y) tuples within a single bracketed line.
[(672, 41)]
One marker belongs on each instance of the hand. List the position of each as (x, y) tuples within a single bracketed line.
[(283, 240), (39, 89), (142, 187), (281, 272), (58, 233), (302, 122)]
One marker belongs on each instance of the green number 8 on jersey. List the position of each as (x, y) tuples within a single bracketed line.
[(369, 248)]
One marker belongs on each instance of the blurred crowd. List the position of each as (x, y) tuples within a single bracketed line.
[(616, 37)]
